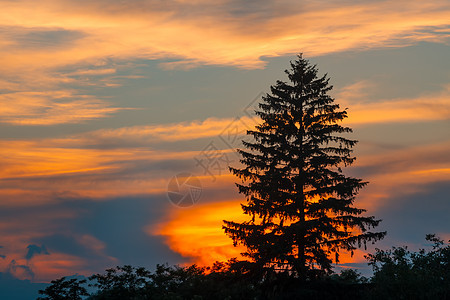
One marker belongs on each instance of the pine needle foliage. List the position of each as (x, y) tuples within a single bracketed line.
[(299, 202)]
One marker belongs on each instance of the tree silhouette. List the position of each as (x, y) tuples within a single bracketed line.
[(124, 282), (299, 201), (64, 289)]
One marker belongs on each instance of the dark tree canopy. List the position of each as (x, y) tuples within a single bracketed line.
[(402, 274), (299, 201), (63, 289)]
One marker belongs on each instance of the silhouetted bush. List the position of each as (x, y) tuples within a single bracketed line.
[(402, 274)]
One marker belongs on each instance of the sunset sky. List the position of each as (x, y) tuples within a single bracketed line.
[(103, 102)]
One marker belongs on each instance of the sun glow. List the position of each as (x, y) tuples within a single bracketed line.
[(197, 233)]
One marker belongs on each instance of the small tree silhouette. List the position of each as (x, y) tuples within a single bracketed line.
[(64, 289), (402, 274)]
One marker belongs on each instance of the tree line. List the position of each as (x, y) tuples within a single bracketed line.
[(398, 274)]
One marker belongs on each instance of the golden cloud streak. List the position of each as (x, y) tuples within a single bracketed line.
[(430, 107), (50, 108), (403, 172), (35, 172), (184, 131)]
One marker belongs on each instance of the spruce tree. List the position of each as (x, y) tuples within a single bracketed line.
[(299, 202)]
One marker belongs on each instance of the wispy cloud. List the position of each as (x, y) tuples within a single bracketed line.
[(428, 107), (34, 174), (401, 172), (50, 108), (182, 131)]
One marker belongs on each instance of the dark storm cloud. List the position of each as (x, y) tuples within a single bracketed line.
[(34, 250), (35, 38), (66, 243)]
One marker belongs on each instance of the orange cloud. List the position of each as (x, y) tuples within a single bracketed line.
[(429, 107), (400, 172), (56, 265), (183, 131)]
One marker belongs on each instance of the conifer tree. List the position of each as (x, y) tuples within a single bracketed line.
[(299, 202)]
